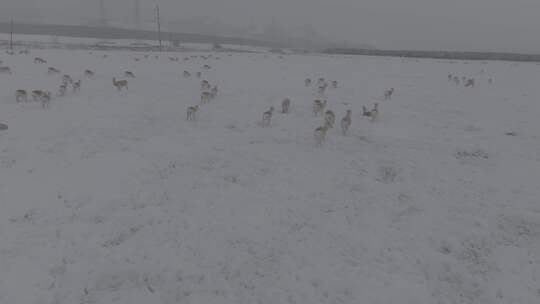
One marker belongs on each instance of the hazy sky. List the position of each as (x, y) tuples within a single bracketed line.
[(496, 25)]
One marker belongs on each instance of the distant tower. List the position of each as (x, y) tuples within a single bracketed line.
[(137, 14), (102, 16)]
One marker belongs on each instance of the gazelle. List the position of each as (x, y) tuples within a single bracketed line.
[(21, 96), (285, 105), (320, 135), (76, 86), (205, 85), (46, 100), (388, 94), (89, 73), (191, 112), (37, 95), (214, 92), (321, 81), (62, 90), (119, 84), (346, 122), (67, 79), (207, 67), (53, 70), (267, 117), (329, 118), (129, 74), (39, 60), (318, 106), (199, 75), (470, 83), (186, 74), (373, 114), (5, 70), (308, 82), (334, 84), (205, 97)]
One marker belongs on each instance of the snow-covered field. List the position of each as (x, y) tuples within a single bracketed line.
[(113, 197)]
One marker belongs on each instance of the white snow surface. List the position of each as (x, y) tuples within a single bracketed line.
[(114, 197)]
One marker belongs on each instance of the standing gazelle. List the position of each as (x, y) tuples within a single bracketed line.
[(191, 112), (46, 100), (329, 118), (320, 135), (119, 84), (21, 96), (318, 106), (285, 105), (205, 97), (267, 117), (76, 86), (346, 122)]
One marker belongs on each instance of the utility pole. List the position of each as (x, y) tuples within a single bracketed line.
[(11, 35), (137, 15), (159, 26), (102, 15)]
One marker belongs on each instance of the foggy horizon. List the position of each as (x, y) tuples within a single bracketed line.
[(473, 25)]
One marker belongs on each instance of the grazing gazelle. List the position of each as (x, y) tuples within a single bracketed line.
[(267, 117), (39, 60), (334, 84), (191, 112), (320, 135), (21, 96), (322, 89), (318, 106), (205, 97), (5, 70), (207, 67), (285, 105), (53, 70), (321, 81), (129, 74), (329, 118), (187, 74), (119, 84), (37, 95), (346, 122), (308, 82), (89, 73), (199, 75), (470, 83)]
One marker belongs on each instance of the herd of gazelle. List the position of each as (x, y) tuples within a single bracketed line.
[(319, 106), (44, 96), (209, 92)]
